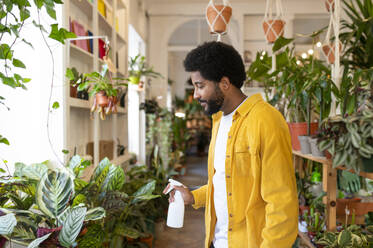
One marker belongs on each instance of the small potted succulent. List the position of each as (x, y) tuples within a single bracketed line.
[(104, 88)]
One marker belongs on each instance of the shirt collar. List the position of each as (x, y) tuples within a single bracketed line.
[(245, 107)]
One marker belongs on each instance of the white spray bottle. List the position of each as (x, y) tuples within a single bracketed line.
[(175, 216)]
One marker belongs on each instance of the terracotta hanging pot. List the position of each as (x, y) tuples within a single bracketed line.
[(219, 26), (101, 99), (273, 29), (329, 51), (329, 4)]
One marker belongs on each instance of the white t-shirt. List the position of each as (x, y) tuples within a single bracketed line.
[(220, 190)]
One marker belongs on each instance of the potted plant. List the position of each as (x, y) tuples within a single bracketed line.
[(138, 68), (37, 210), (297, 87), (218, 16), (104, 89), (273, 29), (75, 80)]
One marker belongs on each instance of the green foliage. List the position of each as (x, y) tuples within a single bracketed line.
[(351, 237), (7, 224), (298, 86), (4, 140), (137, 67), (72, 226), (54, 192), (93, 238), (350, 139), (96, 82), (357, 34)]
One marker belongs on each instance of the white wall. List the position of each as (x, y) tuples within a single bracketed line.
[(25, 125), (168, 16)]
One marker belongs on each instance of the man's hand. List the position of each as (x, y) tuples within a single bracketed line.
[(185, 193)]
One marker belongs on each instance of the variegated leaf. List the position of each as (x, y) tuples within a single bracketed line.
[(54, 192), (72, 226), (38, 241), (7, 224), (95, 214), (32, 171)]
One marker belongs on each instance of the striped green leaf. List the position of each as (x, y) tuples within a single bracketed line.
[(38, 241), (7, 224), (54, 192), (95, 214), (72, 226), (32, 171)]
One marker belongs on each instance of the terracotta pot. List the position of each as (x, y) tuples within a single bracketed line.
[(73, 91), (329, 52), (147, 240), (219, 26), (101, 99), (329, 4), (299, 129), (273, 29)]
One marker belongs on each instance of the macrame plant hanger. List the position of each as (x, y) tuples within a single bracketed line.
[(218, 16), (333, 49), (273, 24)]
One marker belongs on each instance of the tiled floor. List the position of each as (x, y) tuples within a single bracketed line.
[(192, 235)]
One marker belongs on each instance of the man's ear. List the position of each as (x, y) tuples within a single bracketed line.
[(225, 84)]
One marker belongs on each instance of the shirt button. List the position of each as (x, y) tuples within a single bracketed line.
[(230, 229), (228, 156), (231, 215), (229, 193), (229, 137), (228, 176)]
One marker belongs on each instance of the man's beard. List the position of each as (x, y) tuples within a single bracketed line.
[(214, 105)]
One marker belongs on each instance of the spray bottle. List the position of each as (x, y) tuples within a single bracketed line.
[(175, 216)]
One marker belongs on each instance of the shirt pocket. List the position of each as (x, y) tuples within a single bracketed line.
[(242, 158)]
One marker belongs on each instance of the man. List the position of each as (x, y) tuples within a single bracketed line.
[(250, 198)]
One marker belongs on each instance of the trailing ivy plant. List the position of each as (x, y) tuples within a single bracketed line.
[(14, 16)]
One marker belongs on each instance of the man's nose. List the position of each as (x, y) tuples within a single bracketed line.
[(196, 95)]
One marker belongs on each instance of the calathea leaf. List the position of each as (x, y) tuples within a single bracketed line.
[(146, 189), (32, 171), (38, 241), (101, 166), (54, 192), (95, 214), (7, 224), (72, 226)]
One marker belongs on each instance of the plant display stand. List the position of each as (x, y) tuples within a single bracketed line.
[(329, 182)]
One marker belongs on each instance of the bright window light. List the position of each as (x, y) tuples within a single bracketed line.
[(318, 44), (310, 52)]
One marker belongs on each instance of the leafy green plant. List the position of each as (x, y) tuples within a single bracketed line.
[(137, 67), (122, 196), (351, 237), (38, 207), (357, 34), (350, 139), (315, 222), (298, 86)]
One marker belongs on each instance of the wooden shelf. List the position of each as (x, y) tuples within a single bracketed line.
[(121, 159), (306, 240), (85, 6), (81, 53), (121, 40), (321, 160), (79, 103), (103, 23)]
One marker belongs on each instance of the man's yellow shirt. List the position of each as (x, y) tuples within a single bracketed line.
[(260, 179)]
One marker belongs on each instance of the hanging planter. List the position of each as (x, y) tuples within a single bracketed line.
[(330, 5), (273, 23), (329, 51), (273, 29), (218, 17)]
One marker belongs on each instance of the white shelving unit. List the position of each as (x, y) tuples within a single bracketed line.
[(80, 127)]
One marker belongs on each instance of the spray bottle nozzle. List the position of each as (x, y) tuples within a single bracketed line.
[(173, 183)]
